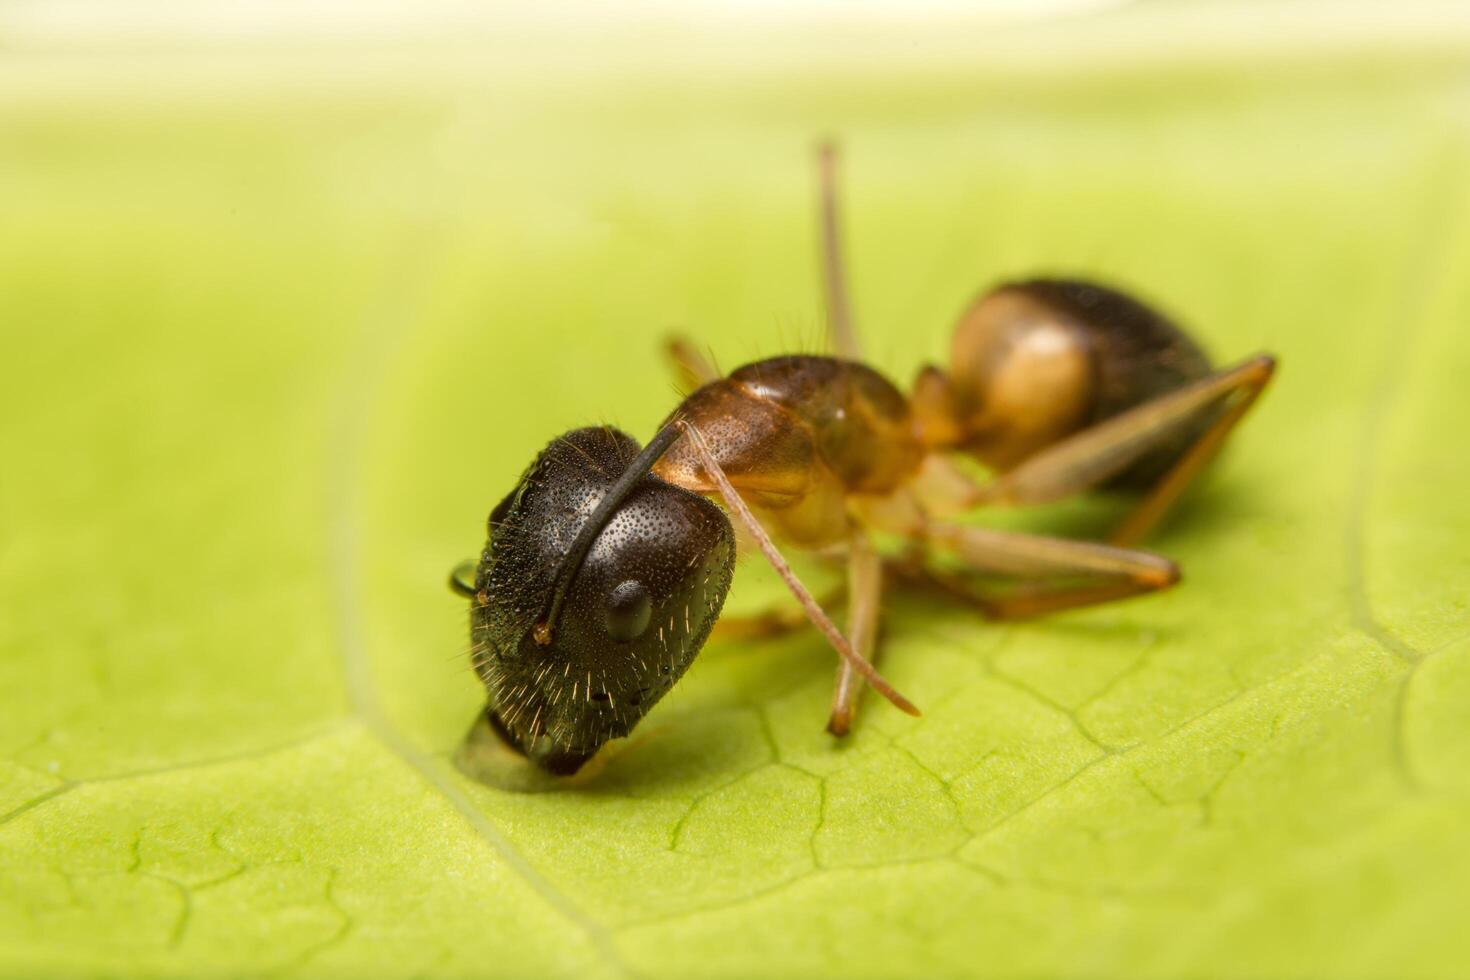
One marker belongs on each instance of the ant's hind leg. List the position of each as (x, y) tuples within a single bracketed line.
[(1161, 495), (1053, 574), (692, 369), (1090, 457), (865, 583)]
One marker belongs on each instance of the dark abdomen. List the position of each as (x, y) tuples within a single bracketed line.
[(1137, 355)]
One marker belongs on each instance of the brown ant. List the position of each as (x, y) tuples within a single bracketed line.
[(607, 565)]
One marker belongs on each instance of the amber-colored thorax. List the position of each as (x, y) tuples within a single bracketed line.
[(799, 436)]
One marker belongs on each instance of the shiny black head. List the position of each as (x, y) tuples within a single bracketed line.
[(574, 649)]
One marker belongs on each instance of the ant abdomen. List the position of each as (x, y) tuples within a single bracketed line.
[(636, 609), (1038, 360)]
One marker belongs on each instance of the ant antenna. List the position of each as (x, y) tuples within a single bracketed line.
[(462, 579), (571, 562)]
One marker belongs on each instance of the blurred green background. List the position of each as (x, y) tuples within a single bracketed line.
[(288, 299)]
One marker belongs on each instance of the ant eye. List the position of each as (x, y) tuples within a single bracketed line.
[(628, 611)]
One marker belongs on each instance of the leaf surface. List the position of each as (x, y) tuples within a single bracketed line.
[(279, 332)]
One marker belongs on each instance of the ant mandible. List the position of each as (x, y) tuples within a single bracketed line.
[(607, 566)]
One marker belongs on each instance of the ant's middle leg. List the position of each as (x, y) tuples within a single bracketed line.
[(1053, 573), (840, 330), (692, 369)]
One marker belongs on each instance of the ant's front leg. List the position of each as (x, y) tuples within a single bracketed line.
[(692, 370), (741, 512), (865, 584)]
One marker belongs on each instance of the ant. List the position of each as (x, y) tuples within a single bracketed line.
[(607, 565)]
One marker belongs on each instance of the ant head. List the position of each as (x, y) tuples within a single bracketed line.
[(579, 629)]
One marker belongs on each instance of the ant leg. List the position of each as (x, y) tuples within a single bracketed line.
[(865, 582), (773, 622), (841, 332), (692, 369), (1162, 495), (1056, 573), (814, 612), (1094, 454)]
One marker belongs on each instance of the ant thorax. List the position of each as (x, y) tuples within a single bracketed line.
[(799, 436)]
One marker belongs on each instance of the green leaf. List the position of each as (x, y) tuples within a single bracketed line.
[(281, 324)]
